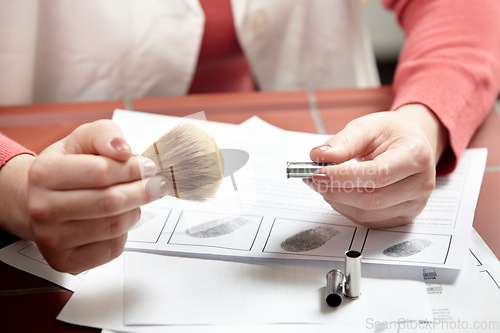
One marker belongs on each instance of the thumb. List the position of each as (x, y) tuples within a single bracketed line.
[(353, 141), (102, 137)]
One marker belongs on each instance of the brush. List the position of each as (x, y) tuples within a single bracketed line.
[(191, 161)]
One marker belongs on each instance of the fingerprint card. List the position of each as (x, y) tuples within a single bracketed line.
[(404, 246)]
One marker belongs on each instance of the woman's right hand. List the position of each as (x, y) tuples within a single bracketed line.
[(84, 194)]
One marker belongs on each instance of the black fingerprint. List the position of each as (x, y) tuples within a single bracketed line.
[(215, 228), (309, 239), (407, 248)]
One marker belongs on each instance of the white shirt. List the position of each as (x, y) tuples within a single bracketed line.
[(80, 50)]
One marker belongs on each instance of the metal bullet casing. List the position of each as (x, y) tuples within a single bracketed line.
[(303, 169), (334, 283), (352, 269)]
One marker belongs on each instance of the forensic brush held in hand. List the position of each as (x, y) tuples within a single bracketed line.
[(190, 160)]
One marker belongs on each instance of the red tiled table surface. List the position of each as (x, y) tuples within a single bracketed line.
[(36, 126), (288, 110)]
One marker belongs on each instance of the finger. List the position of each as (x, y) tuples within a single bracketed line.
[(358, 138), (387, 168), (399, 214), (102, 137), (89, 256), (157, 186), (66, 172), (78, 233), (369, 198), (89, 204)]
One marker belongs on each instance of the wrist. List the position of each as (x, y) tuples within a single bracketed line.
[(431, 126), (14, 214)]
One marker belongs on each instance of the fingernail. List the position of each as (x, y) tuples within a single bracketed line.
[(324, 147), (157, 186), (164, 187), (120, 145), (321, 178), (149, 169)]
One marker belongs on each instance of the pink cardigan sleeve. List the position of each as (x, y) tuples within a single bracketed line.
[(450, 63), (10, 149)]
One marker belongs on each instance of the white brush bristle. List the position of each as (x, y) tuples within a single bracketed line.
[(189, 158)]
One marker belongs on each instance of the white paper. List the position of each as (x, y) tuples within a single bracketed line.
[(87, 307), (162, 290), (269, 211), (99, 300), (24, 255)]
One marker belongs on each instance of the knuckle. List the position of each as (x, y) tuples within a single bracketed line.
[(41, 211), (426, 157), (99, 174), (56, 257), (419, 207), (59, 263), (111, 201), (36, 173), (116, 246), (342, 139), (133, 169), (104, 122), (405, 220), (345, 141), (423, 152), (117, 226), (424, 188), (414, 209), (429, 185), (137, 213), (80, 129), (48, 241), (356, 124), (101, 123)]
